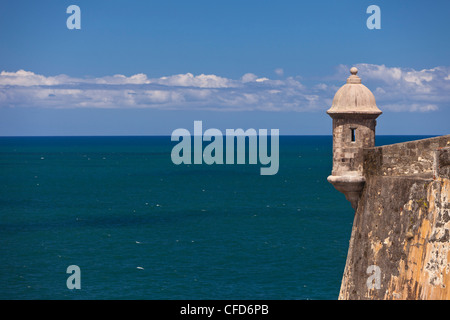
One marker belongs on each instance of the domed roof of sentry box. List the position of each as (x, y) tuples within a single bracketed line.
[(354, 98)]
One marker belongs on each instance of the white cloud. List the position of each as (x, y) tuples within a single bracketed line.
[(321, 86), (249, 77), (27, 78), (406, 89), (121, 79), (416, 107), (395, 89), (418, 77), (380, 91), (279, 71), (200, 81)]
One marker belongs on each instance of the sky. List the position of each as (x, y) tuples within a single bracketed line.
[(150, 67)]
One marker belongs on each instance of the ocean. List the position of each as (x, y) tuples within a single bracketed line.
[(140, 227)]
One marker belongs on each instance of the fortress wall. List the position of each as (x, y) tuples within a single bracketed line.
[(407, 158), (401, 228)]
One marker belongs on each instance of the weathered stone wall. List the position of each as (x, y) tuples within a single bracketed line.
[(442, 162), (408, 158), (402, 224)]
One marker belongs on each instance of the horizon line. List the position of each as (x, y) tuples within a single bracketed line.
[(169, 135)]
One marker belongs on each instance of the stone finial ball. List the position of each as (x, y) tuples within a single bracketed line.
[(354, 70)]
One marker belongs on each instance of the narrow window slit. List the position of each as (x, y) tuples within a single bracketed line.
[(353, 134)]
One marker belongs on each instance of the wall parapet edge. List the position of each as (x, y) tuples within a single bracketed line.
[(427, 157)]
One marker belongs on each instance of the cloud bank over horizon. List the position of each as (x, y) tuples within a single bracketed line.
[(396, 89)]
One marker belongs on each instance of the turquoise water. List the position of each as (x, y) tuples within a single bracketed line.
[(140, 227)]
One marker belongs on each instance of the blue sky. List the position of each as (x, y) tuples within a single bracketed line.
[(149, 67)]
